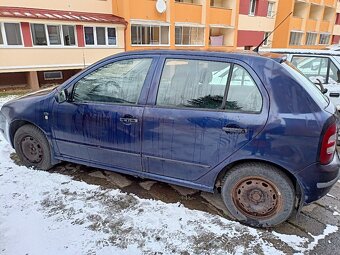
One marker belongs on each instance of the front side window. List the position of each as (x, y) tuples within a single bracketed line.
[(317, 68), (203, 84), (185, 35), (119, 82), (149, 35), (252, 7), (13, 33), (69, 37)]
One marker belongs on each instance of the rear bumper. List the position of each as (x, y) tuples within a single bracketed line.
[(316, 180)]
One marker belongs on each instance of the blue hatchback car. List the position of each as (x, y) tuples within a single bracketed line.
[(250, 127)]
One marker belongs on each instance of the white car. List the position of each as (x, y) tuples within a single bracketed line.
[(319, 66)]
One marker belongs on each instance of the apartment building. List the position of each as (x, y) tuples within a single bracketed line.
[(179, 24), (309, 26), (336, 29), (43, 42), (255, 22)]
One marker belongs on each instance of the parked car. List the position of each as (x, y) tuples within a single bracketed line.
[(319, 66), (247, 126)]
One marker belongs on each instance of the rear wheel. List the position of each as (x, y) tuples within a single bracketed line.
[(32, 147), (258, 194)]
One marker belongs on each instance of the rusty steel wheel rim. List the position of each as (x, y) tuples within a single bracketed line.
[(257, 197), (32, 149)]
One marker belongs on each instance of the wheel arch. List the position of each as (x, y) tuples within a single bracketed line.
[(298, 189), (15, 125)]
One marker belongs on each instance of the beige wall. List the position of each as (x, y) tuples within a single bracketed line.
[(99, 6), (250, 23), (20, 58)]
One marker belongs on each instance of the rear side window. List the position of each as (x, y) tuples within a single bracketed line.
[(119, 82), (207, 85)]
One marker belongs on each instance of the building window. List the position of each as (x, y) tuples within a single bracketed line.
[(54, 35), (149, 35), (69, 37), (311, 38), (38, 34), (189, 1), (266, 37), (189, 35), (252, 7), (102, 36), (324, 38), (295, 38), (57, 75), (10, 34), (46, 35), (271, 10)]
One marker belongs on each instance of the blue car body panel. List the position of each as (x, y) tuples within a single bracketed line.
[(187, 146)]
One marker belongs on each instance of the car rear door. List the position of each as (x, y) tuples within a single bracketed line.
[(199, 112), (102, 122)]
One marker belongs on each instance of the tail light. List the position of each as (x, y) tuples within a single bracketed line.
[(328, 144)]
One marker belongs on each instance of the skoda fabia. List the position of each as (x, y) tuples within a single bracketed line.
[(250, 127)]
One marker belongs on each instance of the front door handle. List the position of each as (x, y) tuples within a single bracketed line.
[(128, 119), (332, 94), (234, 130)]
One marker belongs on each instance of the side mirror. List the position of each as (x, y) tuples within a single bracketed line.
[(62, 96), (322, 88)]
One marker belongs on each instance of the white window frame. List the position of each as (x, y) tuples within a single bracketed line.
[(316, 37), (146, 24), (251, 6), (271, 11), (61, 34), (4, 37), (191, 26), (95, 37), (50, 79), (290, 34), (324, 34), (266, 42)]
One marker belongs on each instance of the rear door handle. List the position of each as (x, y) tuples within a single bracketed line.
[(234, 130)]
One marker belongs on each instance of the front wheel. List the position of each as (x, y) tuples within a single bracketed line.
[(258, 194), (32, 147)]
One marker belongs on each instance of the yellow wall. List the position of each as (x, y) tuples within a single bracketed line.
[(97, 6)]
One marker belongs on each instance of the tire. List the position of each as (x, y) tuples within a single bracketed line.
[(32, 147), (258, 195)]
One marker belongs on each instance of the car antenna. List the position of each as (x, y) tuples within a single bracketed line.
[(258, 46)]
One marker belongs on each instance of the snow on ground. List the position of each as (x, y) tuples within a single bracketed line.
[(49, 213)]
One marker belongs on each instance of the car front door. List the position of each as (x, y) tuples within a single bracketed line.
[(321, 69), (101, 123), (199, 112)]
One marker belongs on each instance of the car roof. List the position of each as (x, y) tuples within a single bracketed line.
[(302, 51), (239, 55)]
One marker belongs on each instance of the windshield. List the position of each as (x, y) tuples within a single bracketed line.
[(309, 86)]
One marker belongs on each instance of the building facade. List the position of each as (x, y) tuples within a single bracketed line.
[(43, 42), (310, 24), (179, 24)]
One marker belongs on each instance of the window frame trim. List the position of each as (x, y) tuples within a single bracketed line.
[(4, 37), (95, 45), (152, 97), (61, 34)]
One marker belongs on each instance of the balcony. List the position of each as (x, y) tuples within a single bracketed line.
[(220, 16), (221, 36), (151, 14), (318, 2), (188, 12), (330, 2), (300, 9)]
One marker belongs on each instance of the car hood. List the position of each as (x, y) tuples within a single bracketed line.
[(40, 92)]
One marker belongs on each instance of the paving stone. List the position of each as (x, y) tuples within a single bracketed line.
[(183, 191), (97, 174), (147, 185), (308, 224), (117, 179)]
